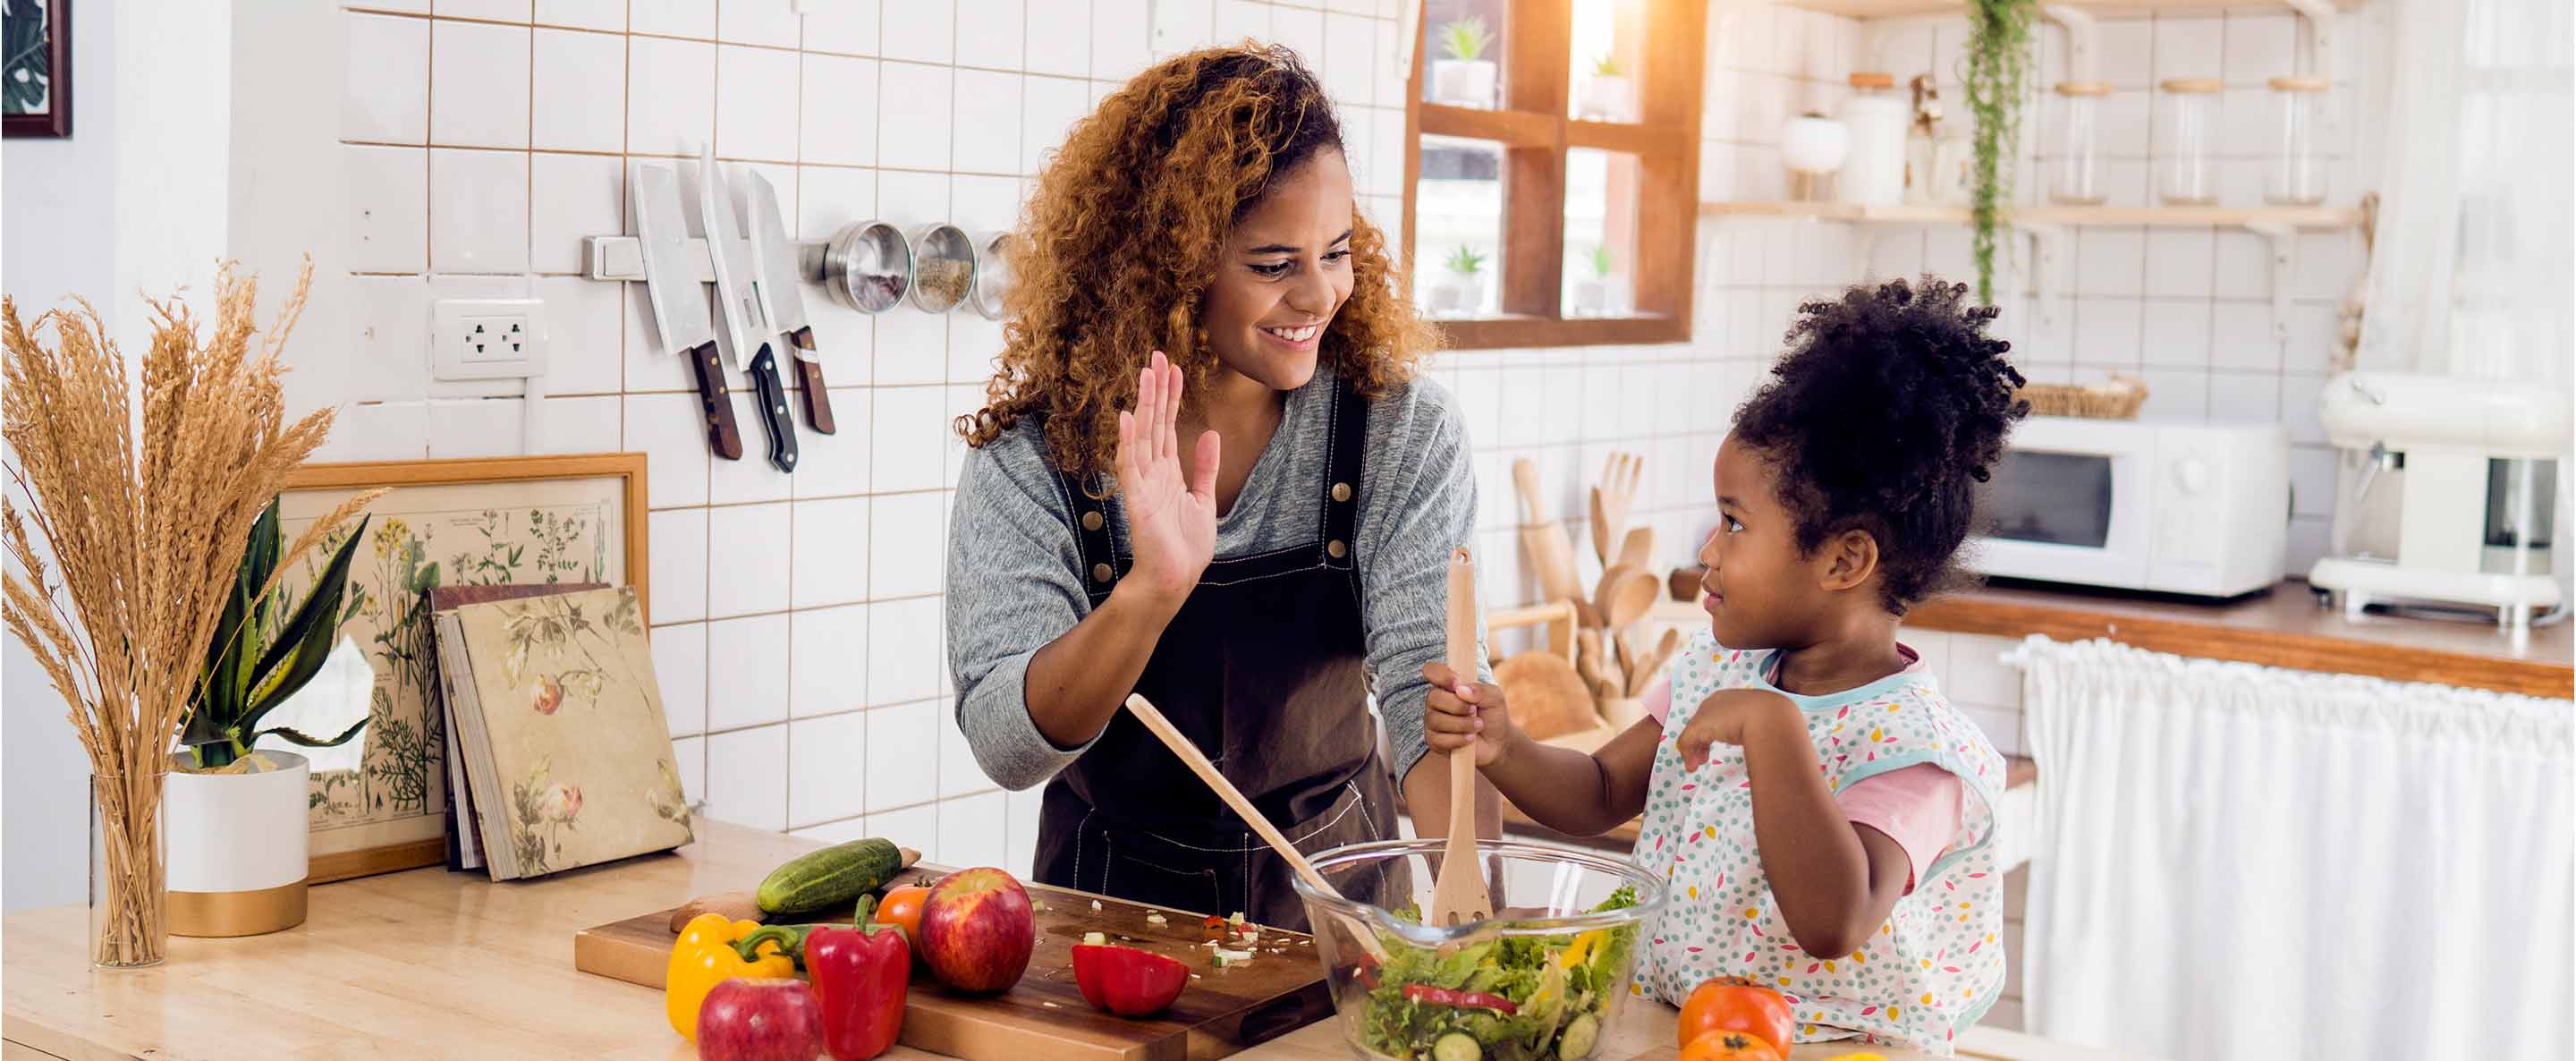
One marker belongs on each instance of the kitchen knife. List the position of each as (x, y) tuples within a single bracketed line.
[(781, 282), (741, 306), (674, 291)]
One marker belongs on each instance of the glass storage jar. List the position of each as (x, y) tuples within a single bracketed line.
[(2298, 176), (2073, 177), (2186, 142)]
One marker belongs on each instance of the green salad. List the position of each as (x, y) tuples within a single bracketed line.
[(1518, 998)]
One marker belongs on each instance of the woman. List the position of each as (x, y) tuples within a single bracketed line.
[(1250, 531)]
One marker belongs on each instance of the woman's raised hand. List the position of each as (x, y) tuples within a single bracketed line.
[(1171, 524)]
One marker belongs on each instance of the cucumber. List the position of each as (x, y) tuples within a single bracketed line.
[(829, 877), (1579, 1039), (1457, 1046)]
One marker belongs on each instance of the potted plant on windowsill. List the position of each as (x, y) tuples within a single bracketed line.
[(1608, 95), (1466, 78), (1592, 294), (238, 816), (1460, 291)]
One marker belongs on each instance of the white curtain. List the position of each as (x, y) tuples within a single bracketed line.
[(2475, 254), (2240, 862)]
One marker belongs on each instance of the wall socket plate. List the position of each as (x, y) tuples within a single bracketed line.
[(487, 338)]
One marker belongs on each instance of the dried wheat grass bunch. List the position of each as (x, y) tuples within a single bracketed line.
[(132, 504)]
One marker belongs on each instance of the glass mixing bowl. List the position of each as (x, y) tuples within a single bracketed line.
[(1544, 978)]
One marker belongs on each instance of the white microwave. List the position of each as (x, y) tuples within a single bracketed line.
[(2172, 508)]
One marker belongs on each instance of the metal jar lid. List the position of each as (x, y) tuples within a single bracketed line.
[(943, 271), (993, 274), (868, 266)]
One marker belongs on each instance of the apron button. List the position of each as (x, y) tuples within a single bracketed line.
[(1100, 572), (1091, 521), (1337, 549), (1341, 491)]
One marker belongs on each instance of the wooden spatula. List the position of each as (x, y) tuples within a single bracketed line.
[(1543, 540), (1458, 894)]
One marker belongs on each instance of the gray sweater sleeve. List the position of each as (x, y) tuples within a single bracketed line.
[(1420, 502), (1013, 588)]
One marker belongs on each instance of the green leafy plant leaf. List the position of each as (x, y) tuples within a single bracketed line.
[(1466, 39), (1997, 76), (1606, 66), (297, 736), (1464, 261)]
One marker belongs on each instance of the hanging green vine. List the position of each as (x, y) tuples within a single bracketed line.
[(1998, 74)]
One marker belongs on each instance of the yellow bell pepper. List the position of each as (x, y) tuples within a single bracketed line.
[(705, 956), (1582, 948)]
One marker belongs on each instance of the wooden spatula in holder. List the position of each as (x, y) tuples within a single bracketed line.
[(1458, 894)]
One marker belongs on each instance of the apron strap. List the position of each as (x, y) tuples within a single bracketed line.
[(1102, 565)]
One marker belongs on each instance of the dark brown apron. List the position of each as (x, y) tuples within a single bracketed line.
[(1265, 669)]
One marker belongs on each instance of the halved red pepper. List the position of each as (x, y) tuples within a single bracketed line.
[(861, 975), (1441, 996), (1127, 981)]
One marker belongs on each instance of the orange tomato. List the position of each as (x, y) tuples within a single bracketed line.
[(1730, 1046), (1729, 1004), (902, 906)]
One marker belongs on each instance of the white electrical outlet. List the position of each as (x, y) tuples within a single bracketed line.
[(487, 338)]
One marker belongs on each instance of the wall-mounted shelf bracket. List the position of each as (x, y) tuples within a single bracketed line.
[(2285, 257), (2081, 35)]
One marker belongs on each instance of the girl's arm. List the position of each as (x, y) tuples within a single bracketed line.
[(1835, 881), (1563, 789)]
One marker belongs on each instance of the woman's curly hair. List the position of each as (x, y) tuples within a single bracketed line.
[(1127, 226), (1888, 404)]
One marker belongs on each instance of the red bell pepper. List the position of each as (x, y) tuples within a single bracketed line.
[(1441, 996), (861, 975), (1127, 981)]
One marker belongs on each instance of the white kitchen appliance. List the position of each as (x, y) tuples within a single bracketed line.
[(2174, 508), (2451, 492)]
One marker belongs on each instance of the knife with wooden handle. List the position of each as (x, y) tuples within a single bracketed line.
[(677, 298), (781, 283), (744, 310)]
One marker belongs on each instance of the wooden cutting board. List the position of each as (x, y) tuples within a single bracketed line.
[(1223, 1011)]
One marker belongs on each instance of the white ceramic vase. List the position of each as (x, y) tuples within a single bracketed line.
[(238, 849), (1610, 98), (1457, 295), (1813, 145), (1463, 82)]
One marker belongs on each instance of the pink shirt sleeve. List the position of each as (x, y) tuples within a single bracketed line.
[(1916, 806), (1659, 700)]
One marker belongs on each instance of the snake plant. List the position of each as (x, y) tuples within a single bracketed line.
[(264, 653)]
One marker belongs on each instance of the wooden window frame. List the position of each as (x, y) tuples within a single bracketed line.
[(1535, 133)]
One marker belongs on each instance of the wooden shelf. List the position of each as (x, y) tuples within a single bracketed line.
[(1867, 9), (2314, 217)]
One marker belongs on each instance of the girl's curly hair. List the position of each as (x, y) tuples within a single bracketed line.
[(1127, 226), (1889, 403)]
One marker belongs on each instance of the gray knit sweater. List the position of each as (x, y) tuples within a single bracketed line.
[(1015, 575)]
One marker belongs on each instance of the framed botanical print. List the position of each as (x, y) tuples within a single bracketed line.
[(36, 69), (379, 803)]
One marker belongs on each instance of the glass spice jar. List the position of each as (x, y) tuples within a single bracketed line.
[(2074, 179), (2186, 143), (2298, 176)]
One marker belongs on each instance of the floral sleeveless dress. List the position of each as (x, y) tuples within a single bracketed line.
[(1936, 965)]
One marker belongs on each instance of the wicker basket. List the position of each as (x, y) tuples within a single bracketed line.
[(2117, 399)]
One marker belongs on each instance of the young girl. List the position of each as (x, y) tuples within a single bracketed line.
[(1820, 812)]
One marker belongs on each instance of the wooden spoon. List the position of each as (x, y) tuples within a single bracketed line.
[(1543, 540), (1458, 894), (1653, 662), (1626, 595), (1637, 550)]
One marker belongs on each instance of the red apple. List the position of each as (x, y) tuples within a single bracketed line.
[(760, 1019), (977, 930)]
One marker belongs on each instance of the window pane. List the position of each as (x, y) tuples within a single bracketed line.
[(1463, 46), (1608, 46), (1458, 227), (1600, 233)]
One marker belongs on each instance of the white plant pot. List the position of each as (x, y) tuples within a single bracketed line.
[(238, 849), (1457, 296), (1463, 82), (1610, 99), (1592, 297)]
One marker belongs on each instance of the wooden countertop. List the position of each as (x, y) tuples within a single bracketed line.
[(427, 965), (2283, 627)]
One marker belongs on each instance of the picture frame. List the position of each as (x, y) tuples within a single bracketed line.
[(379, 803), (36, 80)]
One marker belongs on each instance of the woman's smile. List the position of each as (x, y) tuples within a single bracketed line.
[(1299, 337)]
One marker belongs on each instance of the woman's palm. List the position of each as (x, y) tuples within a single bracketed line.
[(1171, 521)]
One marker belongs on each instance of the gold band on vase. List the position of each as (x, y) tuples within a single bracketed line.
[(250, 913)]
